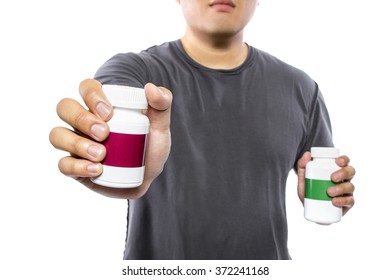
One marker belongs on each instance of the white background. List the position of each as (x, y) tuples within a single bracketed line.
[(52, 227)]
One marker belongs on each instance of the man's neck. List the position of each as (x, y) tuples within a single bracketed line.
[(216, 53)]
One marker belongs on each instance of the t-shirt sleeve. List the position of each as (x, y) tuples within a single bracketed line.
[(123, 69), (318, 126)]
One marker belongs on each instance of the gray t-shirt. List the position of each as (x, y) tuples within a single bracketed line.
[(236, 134)]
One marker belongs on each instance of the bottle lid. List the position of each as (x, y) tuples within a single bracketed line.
[(325, 152), (126, 97)]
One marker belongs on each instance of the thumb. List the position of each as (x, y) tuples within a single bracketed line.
[(159, 110), (302, 162)]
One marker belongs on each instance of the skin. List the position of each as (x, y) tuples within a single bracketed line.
[(85, 150), (342, 193), (213, 38)]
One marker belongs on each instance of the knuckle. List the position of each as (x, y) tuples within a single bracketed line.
[(89, 89), (81, 119), (79, 146), (346, 158), (345, 188), (70, 166), (352, 186), (87, 83), (353, 171), (344, 173), (62, 104), (351, 201)]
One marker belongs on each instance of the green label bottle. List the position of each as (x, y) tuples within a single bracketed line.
[(318, 205)]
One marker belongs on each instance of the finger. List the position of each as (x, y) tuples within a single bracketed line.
[(66, 140), (301, 166), (159, 110), (342, 161), (346, 202), (95, 99), (341, 189), (343, 174), (302, 162), (73, 167), (71, 112)]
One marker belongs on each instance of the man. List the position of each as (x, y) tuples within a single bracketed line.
[(240, 120)]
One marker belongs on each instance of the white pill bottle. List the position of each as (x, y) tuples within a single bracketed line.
[(318, 205), (124, 164)]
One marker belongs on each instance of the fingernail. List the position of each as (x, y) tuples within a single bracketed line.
[(332, 191), (95, 151), (93, 168), (103, 110), (98, 130)]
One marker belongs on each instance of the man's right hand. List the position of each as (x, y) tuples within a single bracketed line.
[(90, 128)]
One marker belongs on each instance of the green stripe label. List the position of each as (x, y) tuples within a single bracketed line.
[(316, 189)]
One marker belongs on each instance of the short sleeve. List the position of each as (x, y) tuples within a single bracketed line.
[(123, 69), (318, 126)]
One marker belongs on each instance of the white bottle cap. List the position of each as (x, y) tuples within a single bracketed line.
[(126, 97), (325, 152)]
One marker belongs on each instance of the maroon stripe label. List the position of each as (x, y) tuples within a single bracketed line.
[(125, 150)]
